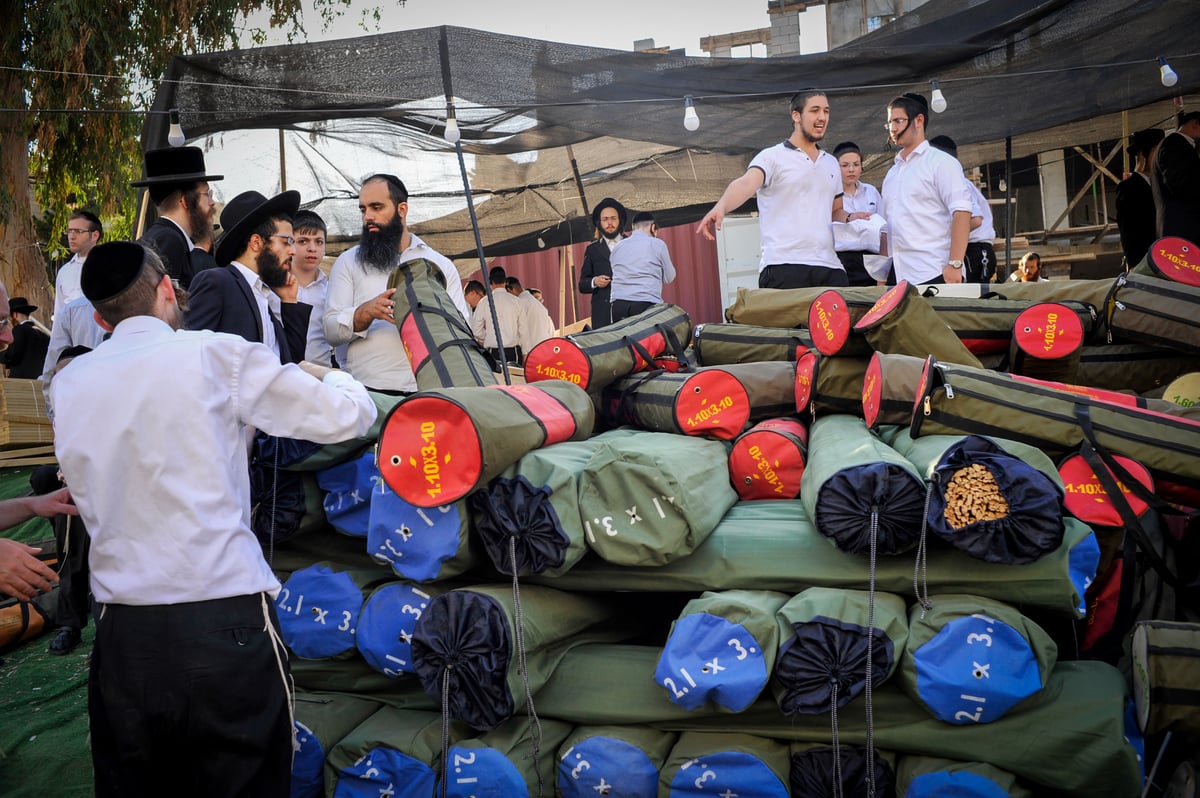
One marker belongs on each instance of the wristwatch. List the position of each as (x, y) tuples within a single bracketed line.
[(954, 264)]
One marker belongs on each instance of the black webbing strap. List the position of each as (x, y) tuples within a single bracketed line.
[(673, 341)]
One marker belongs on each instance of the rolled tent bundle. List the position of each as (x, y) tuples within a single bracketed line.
[(889, 389), (997, 500), (831, 320), (787, 307), (437, 339), (318, 608), (829, 641), (1131, 367), (482, 653), (722, 344), (386, 625), (972, 660), (923, 776), (438, 446), (613, 760), (648, 498), (1150, 310), (420, 543), (1047, 343), (1088, 292), (1166, 673), (712, 763), (814, 769), (332, 454), (514, 760), (708, 402), (595, 358), (322, 721), (859, 492), (985, 326), (767, 461), (355, 677), (827, 385), (394, 750), (721, 649), (903, 323), (348, 487), (1172, 258)]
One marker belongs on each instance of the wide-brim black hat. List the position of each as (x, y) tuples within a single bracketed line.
[(1144, 140), (19, 304), (175, 166), (609, 202), (245, 212)]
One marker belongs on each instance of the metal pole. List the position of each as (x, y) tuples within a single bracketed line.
[(282, 164), (1008, 208)]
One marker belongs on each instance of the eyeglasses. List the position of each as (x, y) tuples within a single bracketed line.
[(72, 231), (891, 123), (208, 194), (288, 239)]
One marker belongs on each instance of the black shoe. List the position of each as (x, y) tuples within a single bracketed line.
[(64, 642)]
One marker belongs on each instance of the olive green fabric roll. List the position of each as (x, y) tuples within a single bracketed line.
[(836, 384), (918, 776), (722, 344), (517, 759), (704, 763), (354, 677), (1131, 367), (393, 746), (332, 454), (1154, 311), (889, 389), (786, 307), (903, 323), (321, 721), (613, 760)]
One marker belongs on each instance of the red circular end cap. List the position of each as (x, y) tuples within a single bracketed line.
[(1086, 498), (1048, 331), (789, 426), (1178, 259), (890, 300), (765, 464), (712, 402), (829, 322), (872, 392), (429, 451), (806, 375), (671, 365), (558, 359)]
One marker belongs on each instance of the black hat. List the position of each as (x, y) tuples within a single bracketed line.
[(175, 166), (19, 304), (609, 202), (1143, 141), (110, 269), (245, 212)]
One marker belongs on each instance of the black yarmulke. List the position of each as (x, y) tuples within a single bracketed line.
[(110, 269)]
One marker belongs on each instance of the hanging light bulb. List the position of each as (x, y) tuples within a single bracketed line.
[(937, 101), (1168, 76), (175, 135), (690, 120), (452, 133), (1003, 186), (541, 242)]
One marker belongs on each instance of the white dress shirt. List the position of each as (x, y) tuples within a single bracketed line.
[(66, 284), (269, 304), (376, 356), (149, 432), (318, 349)]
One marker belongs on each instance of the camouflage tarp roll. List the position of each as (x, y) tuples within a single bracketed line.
[(613, 760), (422, 544), (1131, 367), (725, 763), (395, 750), (321, 721), (595, 358), (767, 461), (998, 500), (903, 323), (824, 640), (920, 776), (1172, 258), (813, 771), (971, 660), (1153, 311), (438, 446), (386, 625), (827, 385), (889, 389), (774, 546), (515, 760), (467, 642), (1047, 342), (437, 339), (649, 498), (332, 454), (319, 606), (787, 307), (722, 344), (721, 649), (856, 485)]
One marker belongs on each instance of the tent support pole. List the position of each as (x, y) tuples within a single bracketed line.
[(586, 213), (282, 164), (1008, 208)]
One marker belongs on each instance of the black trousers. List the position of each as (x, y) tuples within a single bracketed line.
[(624, 308), (799, 275), (191, 700), (856, 271), (512, 354), (71, 537)]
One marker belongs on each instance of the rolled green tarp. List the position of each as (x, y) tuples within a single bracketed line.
[(828, 637), (1047, 343), (831, 318), (515, 760), (396, 751), (386, 625), (1172, 258), (924, 776), (773, 546), (319, 607), (595, 358), (972, 660), (648, 498), (321, 721), (725, 763), (859, 492), (784, 307), (767, 460), (830, 385), (613, 760), (1091, 292), (1150, 310), (438, 446), (903, 323), (332, 454), (889, 389), (723, 344), (436, 338), (998, 500), (419, 543), (1071, 741), (814, 769), (354, 677), (1131, 367), (481, 653), (721, 649)]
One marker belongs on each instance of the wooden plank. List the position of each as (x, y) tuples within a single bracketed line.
[(30, 461), (27, 451)]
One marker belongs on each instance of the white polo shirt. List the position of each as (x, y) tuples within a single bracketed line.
[(795, 206), (920, 195)]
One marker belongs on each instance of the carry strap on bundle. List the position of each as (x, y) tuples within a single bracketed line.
[(903, 323), (25, 620), (1150, 310), (594, 359), (1131, 367), (1172, 258), (722, 344), (438, 342)]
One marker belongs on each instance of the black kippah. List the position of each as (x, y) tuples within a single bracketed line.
[(110, 269)]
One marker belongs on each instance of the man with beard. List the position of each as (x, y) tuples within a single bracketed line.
[(179, 189), (925, 200), (359, 305), (254, 295), (595, 277), (799, 190)]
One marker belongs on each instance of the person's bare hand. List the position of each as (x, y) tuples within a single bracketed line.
[(54, 503), (380, 307), (315, 369), (711, 219), (602, 281), (22, 574), (289, 291)]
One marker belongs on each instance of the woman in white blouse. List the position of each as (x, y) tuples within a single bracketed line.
[(860, 201)]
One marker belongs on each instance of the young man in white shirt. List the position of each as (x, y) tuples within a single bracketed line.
[(313, 284), (84, 231)]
